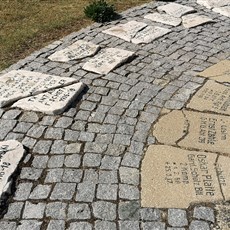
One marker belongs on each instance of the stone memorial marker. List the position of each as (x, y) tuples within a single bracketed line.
[(213, 3), (18, 84), (213, 96), (51, 102), (225, 10), (167, 172), (193, 20), (164, 18), (11, 152), (175, 9), (78, 50), (203, 131), (219, 72), (107, 60)]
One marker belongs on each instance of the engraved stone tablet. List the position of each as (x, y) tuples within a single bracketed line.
[(107, 60), (175, 9), (167, 172), (203, 131), (79, 50), (193, 20), (11, 152), (219, 72), (126, 31), (51, 102), (18, 84), (213, 97), (164, 18), (213, 3), (225, 10)]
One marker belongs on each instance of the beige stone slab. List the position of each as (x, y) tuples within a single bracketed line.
[(164, 18), (195, 130), (225, 10), (18, 84), (175, 9), (51, 102), (219, 72), (107, 60), (78, 50), (213, 96), (193, 20), (213, 3), (174, 178)]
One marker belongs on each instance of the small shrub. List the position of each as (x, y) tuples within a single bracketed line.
[(100, 11)]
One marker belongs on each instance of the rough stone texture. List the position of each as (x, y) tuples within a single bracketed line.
[(193, 20), (177, 217), (204, 213)]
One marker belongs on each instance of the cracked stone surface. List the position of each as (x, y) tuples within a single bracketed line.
[(193, 20)]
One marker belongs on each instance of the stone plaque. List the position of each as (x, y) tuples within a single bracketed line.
[(193, 20), (203, 131), (78, 50), (167, 172), (213, 97), (126, 31), (219, 72), (11, 152), (107, 60), (225, 10), (164, 18), (213, 3), (51, 102), (175, 9), (18, 84)]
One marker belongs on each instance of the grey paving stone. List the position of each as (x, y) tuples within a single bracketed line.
[(56, 210), (22, 127), (72, 175), (97, 117), (30, 173), (29, 142), (71, 135), (129, 175), (82, 115), (56, 161), (34, 211), (79, 125), (40, 192), (85, 192), (121, 139), (153, 226), (86, 136), (150, 214), (80, 225), (54, 133), (177, 217), (6, 225), (6, 127), (42, 147), (48, 120), (54, 175), (73, 161), (199, 225), (87, 105), (131, 160), (108, 177), (107, 191), (128, 192), (204, 213), (63, 191), (93, 147), (110, 162), (23, 191), (92, 160), (29, 117), (79, 212), (14, 211), (40, 161), (129, 225), (56, 225), (36, 131), (91, 175), (63, 122), (105, 225), (115, 150), (171, 228), (129, 210), (29, 224)]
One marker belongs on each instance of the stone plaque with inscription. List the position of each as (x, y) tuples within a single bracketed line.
[(164, 18), (11, 152), (51, 102), (78, 50), (107, 60), (202, 131), (167, 172), (225, 10), (193, 20), (18, 84), (213, 96), (175, 9), (213, 3)]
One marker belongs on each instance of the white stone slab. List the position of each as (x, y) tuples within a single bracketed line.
[(78, 50), (11, 152), (225, 10), (126, 31), (164, 18), (149, 34), (193, 20), (107, 60), (175, 9), (51, 102), (213, 3), (18, 84)]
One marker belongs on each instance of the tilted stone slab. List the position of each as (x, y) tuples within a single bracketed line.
[(225, 10), (193, 20), (78, 50), (194, 130), (164, 18), (51, 102), (213, 3), (167, 172), (175, 9), (107, 60), (18, 84), (11, 152), (213, 96)]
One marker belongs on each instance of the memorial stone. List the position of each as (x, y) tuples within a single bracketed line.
[(213, 3), (51, 102), (193, 20), (78, 50), (225, 10)]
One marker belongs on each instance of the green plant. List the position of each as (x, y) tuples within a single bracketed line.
[(100, 11)]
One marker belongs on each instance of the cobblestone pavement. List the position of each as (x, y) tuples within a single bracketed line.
[(82, 168)]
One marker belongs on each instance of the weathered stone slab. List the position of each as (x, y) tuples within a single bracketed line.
[(78, 50), (219, 72), (51, 102), (126, 31), (164, 18), (175, 9), (107, 60), (11, 152), (193, 20), (167, 172), (203, 131), (225, 10), (213, 97), (18, 84), (213, 3)]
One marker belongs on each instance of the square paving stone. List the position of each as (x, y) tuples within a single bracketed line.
[(34, 211), (63, 191), (56, 210), (79, 212)]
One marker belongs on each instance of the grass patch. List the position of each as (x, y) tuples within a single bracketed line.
[(27, 25)]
